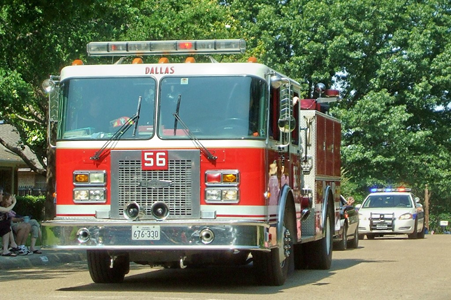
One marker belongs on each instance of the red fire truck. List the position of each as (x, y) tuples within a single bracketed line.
[(191, 164)]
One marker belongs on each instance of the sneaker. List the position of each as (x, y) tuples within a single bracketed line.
[(14, 250), (23, 250)]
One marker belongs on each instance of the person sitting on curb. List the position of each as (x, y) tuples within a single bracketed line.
[(13, 247), (5, 224), (35, 233), (20, 228)]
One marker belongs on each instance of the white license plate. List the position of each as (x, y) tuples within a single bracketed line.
[(145, 233), (381, 226)]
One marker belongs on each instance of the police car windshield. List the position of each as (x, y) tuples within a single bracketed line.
[(387, 200), (213, 107), (95, 108)]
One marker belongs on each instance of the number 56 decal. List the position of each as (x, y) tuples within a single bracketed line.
[(154, 160)]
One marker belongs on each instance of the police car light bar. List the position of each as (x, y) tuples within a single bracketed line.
[(374, 190), (166, 47)]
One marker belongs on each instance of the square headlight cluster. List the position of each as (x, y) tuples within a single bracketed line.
[(222, 186), (89, 186)]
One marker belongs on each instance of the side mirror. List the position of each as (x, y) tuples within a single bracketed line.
[(51, 87), (276, 81)]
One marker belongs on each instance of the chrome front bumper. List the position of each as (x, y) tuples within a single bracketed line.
[(94, 234)]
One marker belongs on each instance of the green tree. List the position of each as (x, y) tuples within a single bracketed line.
[(38, 39), (395, 99), (391, 60)]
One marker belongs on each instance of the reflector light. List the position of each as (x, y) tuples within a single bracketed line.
[(166, 47), (137, 61), (190, 59), (77, 62), (252, 59)]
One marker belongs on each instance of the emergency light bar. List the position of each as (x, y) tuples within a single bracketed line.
[(374, 190), (166, 47)]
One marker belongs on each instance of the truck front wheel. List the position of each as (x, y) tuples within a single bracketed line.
[(269, 268), (99, 265)]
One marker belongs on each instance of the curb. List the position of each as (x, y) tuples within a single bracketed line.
[(47, 258)]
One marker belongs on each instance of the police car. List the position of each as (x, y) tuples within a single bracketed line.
[(391, 211)]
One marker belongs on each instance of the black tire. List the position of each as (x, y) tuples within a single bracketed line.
[(301, 254), (239, 259), (316, 255), (99, 267), (343, 243), (354, 243), (414, 235), (323, 247), (361, 236), (370, 236), (420, 234), (269, 268)]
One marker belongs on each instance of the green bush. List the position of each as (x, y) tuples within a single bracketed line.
[(434, 222), (30, 206)]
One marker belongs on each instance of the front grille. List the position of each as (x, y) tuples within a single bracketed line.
[(177, 187), (382, 221)]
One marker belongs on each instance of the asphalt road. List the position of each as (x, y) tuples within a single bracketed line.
[(384, 268)]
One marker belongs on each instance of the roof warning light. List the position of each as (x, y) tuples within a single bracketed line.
[(173, 47)]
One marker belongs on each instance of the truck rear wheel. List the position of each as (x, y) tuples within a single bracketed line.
[(323, 254), (318, 254), (269, 268), (99, 267)]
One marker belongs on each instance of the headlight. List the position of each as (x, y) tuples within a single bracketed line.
[(216, 195), (407, 216), (90, 195), (213, 195)]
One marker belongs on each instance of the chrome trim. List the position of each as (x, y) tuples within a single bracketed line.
[(116, 235)]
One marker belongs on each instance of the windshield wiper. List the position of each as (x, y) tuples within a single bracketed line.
[(138, 111), (120, 132), (177, 109), (194, 139)]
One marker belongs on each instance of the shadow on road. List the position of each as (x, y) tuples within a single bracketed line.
[(213, 280)]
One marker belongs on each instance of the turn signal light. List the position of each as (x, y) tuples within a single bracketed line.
[(229, 178), (81, 178)]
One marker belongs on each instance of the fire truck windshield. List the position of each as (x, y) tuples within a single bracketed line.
[(213, 107), (95, 108)]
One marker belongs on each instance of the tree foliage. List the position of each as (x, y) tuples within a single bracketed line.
[(391, 60)]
